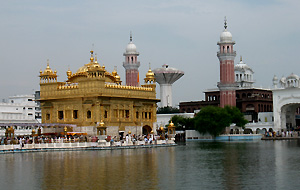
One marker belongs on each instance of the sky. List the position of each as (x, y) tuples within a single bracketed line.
[(180, 33)]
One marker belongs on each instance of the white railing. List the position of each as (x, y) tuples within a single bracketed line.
[(60, 145)]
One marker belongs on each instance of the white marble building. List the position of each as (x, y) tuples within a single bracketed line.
[(286, 100)]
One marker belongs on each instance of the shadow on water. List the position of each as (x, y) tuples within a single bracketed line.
[(190, 165)]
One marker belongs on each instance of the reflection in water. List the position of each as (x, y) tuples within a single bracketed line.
[(198, 165)]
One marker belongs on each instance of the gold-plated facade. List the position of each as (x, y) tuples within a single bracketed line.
[(92, 96)]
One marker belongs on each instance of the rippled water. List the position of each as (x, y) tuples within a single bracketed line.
[(197, 165)]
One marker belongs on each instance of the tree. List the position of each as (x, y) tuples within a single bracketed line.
[(167, 110), (236, 115), (212, 120), (180, 121)]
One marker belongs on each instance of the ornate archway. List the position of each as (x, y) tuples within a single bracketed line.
[(285, 103), (146, 129)]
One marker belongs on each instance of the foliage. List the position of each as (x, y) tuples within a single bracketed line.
[(181, 121), (167, 110), (236, 116), (212, 120)]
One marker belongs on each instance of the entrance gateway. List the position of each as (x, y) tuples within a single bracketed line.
[(286, 103)]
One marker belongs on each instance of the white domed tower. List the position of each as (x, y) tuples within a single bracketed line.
[(131, 64), (226, 57), (243, 75)]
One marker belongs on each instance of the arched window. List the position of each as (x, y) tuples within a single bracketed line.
[(228, 49), (88, 114), (132, 59)]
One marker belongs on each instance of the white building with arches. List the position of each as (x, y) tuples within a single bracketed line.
[(286, 101)]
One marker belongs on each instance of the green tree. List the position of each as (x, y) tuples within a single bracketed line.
[(180, 121), (167, 110), (212, 120), (237, 116)]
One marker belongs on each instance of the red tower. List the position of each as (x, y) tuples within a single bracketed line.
[(131, 64), (226, 57)]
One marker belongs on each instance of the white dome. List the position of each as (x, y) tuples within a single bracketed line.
[(131, 48), (241, 66), (225, 36), (293, 77)]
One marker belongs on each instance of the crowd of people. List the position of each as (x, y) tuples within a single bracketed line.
[(46, 139), (282, 134), (128, 138)]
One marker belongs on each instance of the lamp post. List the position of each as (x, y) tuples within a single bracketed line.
[(33, 133), (65, 131)]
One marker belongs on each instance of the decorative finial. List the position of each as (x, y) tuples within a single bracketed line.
[(92, 58), (92, 50), (149, 66), (96, 58), (115, 68), (130, 36), (241, 59), (225, 23), (47, 62)]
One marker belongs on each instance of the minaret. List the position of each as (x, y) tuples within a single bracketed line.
[(226, 57), (131, 64)]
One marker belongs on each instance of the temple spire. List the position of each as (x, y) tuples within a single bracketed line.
[(130, 36), (225, 22)]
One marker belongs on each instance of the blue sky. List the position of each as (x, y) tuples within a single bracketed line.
[(183, 34)]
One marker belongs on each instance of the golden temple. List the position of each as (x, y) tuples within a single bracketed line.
[(96, 101)]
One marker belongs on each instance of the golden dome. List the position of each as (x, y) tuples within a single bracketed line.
[(101, 124), (171, 124), (69, 72), (114, 73), (150, 77), (129, 132), (161, 128), (89, 65), (48, 70), (150, 74)]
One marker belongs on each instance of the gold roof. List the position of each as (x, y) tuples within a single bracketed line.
[(171, 124), (48, 71), (91, 65), (150, 74)]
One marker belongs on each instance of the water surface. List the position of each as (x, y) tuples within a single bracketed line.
[(197, 165)]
